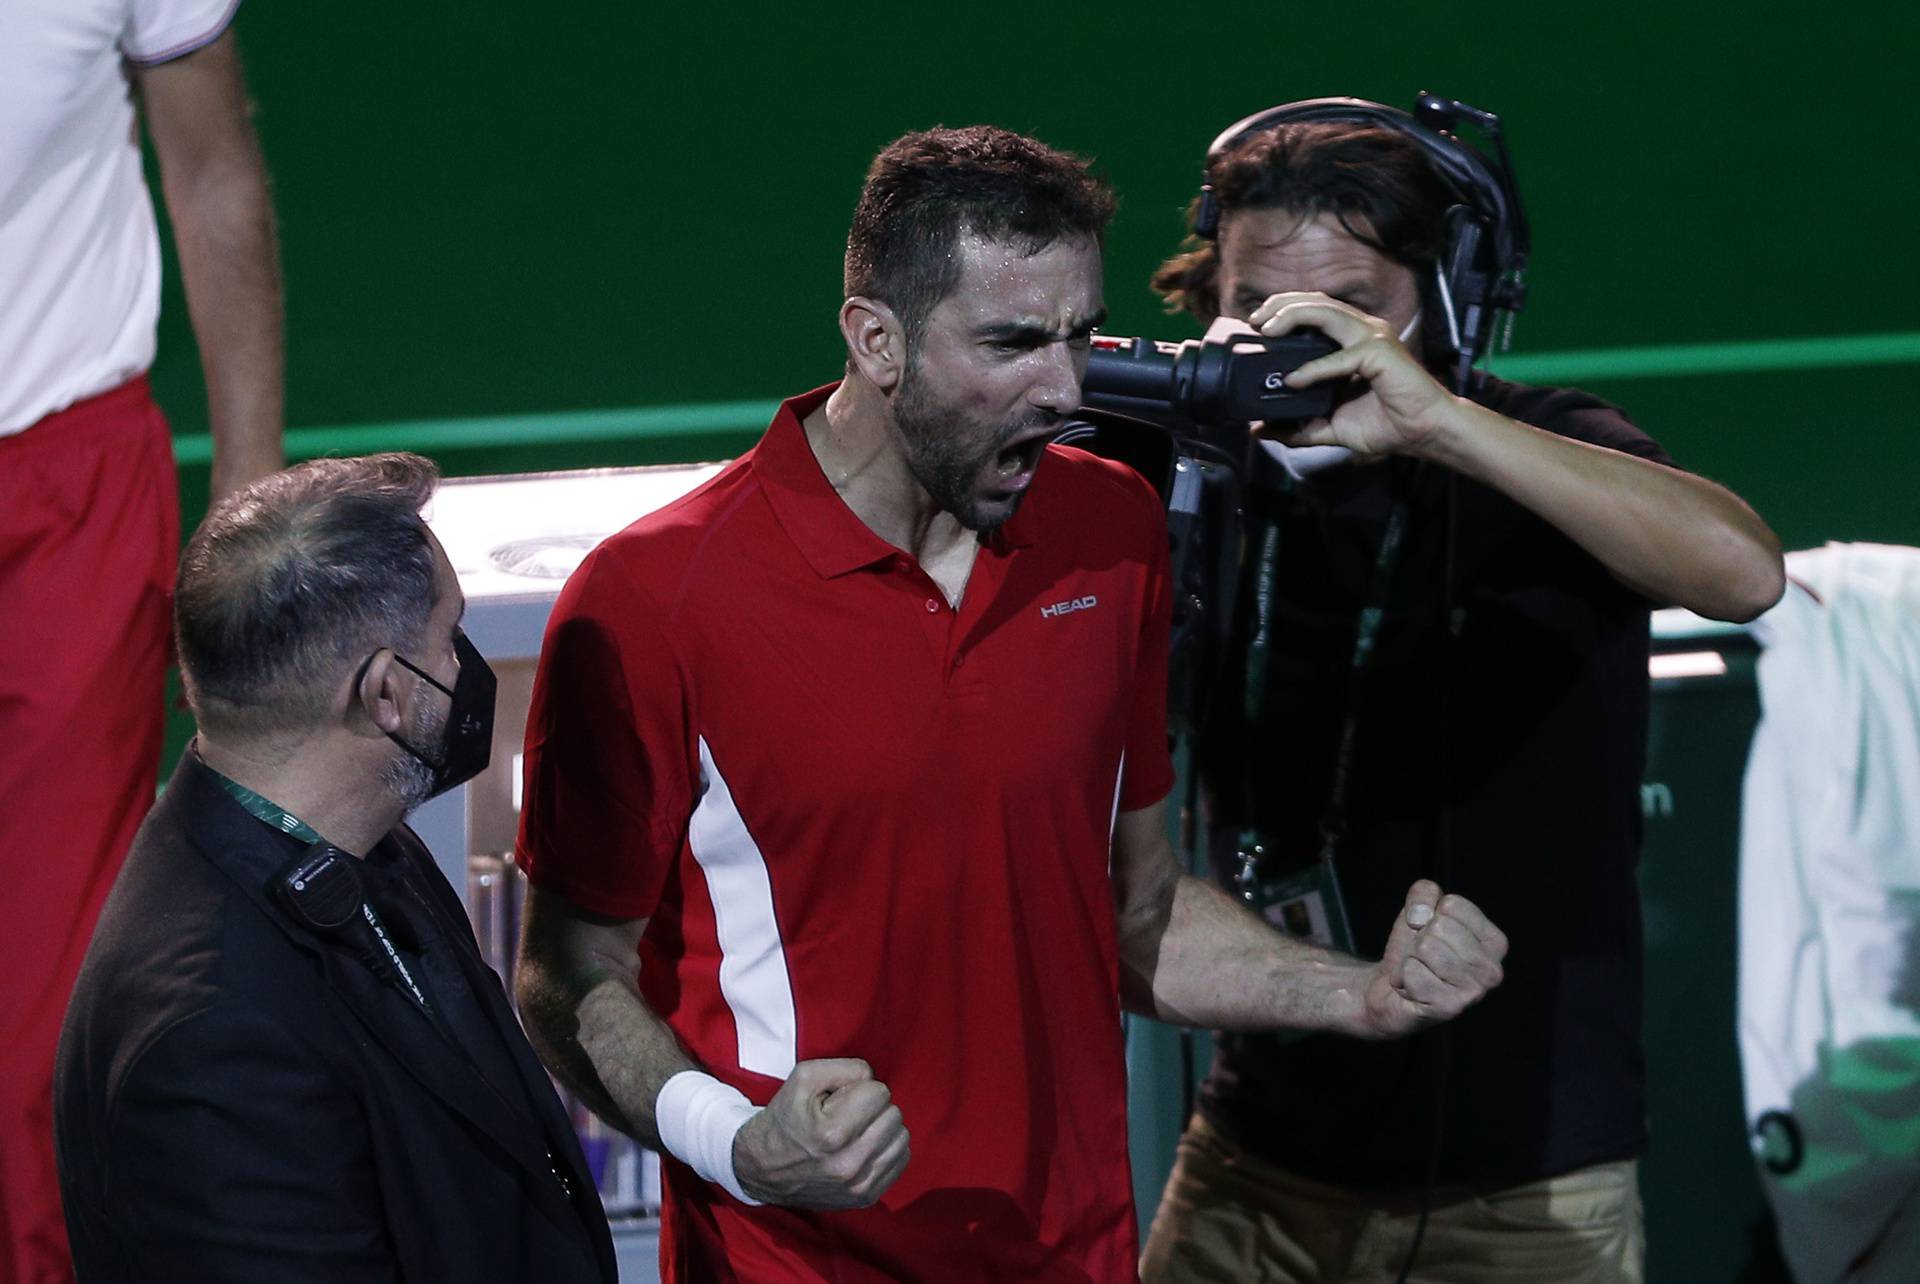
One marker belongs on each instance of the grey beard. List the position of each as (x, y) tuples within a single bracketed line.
[(406, 777)]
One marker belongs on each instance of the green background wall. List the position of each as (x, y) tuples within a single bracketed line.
[(489, 208), (496, 210)]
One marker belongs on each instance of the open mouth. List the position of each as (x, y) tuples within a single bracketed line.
[(1013, 467)]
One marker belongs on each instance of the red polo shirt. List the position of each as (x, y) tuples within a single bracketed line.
[(863, 824)]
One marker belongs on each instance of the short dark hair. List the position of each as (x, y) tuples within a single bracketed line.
[(296, 577), (1380, 186), (924, 189)]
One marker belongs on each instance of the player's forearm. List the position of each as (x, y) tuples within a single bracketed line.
[(229, 263), (597, 1035), (1676, 538), (1207, 961)]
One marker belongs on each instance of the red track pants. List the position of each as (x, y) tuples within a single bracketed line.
[(89, 534)]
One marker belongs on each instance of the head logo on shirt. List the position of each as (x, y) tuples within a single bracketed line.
[(1069, 606)]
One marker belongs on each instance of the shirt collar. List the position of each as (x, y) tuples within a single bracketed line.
[(828, 534)]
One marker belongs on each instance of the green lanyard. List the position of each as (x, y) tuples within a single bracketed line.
[(266, 810), (272, 814)]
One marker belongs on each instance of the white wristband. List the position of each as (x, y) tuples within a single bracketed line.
[(697, 1116)]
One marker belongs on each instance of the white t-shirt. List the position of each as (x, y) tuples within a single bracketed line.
[(79, 254)]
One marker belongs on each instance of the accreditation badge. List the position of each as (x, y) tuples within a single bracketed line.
[(1304, 902)]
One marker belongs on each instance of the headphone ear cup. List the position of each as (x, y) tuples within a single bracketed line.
[(1206, 215), (1469, 275)]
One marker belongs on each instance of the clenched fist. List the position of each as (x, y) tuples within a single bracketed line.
[(831, 1138), (1441, 958)]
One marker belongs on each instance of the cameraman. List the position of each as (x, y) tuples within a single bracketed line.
[(1492, 735)]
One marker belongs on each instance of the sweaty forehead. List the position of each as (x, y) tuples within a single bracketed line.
[(1058, 288)]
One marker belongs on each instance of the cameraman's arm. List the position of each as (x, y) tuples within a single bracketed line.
[(1672, 537), (1192, 956), (1669, 535)]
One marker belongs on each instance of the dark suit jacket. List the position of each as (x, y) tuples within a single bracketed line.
[(239, 1098)]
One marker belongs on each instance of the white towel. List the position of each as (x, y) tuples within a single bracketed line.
[(1830, 909)]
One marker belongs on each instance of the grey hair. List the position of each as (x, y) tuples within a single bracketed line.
[(293, 580)]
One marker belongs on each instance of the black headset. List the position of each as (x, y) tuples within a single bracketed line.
[(1482, 271)]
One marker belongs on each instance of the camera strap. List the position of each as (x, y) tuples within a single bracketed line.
[(271, 813)]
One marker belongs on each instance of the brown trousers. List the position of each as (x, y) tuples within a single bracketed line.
[(1228, 1218)]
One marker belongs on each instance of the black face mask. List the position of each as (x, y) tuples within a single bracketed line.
[(466, 743)]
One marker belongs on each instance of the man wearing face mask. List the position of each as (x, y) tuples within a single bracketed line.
[(285, 1059), (1440, 671)]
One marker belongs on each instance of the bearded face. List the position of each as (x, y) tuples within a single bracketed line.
[(974, 467), (406, 777), (994, 371)]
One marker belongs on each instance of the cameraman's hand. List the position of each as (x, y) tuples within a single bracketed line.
[(1442, 957), (831, 1138), (1403, 406)]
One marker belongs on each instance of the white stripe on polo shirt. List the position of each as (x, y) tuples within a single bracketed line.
[(753, 959)]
